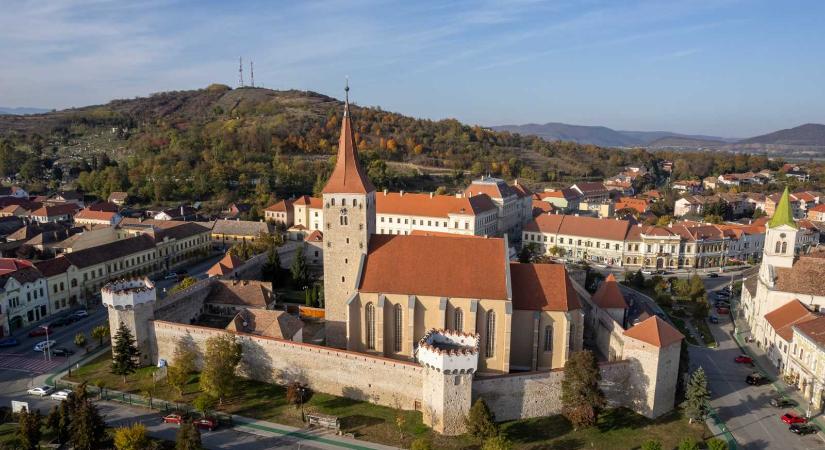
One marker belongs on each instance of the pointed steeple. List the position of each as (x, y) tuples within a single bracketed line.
[(783, 215), (348, 177)]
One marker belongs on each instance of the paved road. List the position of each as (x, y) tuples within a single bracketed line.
[(744, 408)]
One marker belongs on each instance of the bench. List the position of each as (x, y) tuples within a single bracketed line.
[(324, 421)]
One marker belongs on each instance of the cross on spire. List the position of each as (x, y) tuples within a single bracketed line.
[(346, 97)]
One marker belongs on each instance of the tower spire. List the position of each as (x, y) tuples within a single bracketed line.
[(348, 176), (346, 97), (783, 215)]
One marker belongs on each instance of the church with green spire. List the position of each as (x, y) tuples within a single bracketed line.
[(784, 213)]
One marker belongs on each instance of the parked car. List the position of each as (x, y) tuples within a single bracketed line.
[(62, 394), (647, 272), (722, 310), (781, 402), (44, 345), (8, 342), (81, 313), (171, 276), (41, 391), (802, 429), (173, 418), (755, 379), (791, 418), (721, 295), (713, 275), (206, 423), (63, 321), (40, 331), (62, 351), (744, 359)]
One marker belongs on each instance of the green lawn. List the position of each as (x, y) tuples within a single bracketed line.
[(704, 330), (617, 429), (8, 437)]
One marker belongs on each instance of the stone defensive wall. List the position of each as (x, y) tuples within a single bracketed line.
[(538, 394), (343, 373), (186, 305)]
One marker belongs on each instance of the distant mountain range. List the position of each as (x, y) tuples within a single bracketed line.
[(22, 110), (804, 139)]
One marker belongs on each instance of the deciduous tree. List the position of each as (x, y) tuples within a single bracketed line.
[(28, 431), (188, 438), (133, 437), (223, 354), (100, 332), (581, 397)]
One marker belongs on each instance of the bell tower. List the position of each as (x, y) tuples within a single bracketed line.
[(349, 215), (780, 235)]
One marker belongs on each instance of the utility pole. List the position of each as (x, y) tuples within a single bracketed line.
[(252, 73), (240, 72)]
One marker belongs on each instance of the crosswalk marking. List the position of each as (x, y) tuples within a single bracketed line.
[(28, 363)]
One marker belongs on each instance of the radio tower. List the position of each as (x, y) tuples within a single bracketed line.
[(240, 72), (252, 73)]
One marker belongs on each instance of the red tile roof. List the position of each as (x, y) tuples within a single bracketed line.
[(655, 331), (579, 226), (813, 329), (784, 317), (226, 265), (348, 177), (609, 295), (9, 265), (313, 202), (56, 210), (280, 206), (542, 287), (431, 206), (454, 266), (88, 214)]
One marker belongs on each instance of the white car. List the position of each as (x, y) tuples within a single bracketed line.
[(647, 271), (40, 391), (62, 394), (43, 345), (81, 313)]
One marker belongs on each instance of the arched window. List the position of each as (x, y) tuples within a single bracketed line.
[(333, 201), (344, 220), (399, 327), (778, 246), (491, 334), (354, 202), (369, 314), (784, 247), (458, 324), (548, 338)]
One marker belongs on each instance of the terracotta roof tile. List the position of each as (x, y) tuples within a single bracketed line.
[(56, 210), (254, 294), (813, 329), (280, 206), (276, 324), (580, 226), (348, 177), (655, 331), (493, 187), (609, 295), (542, 287), (88, 214), (413, 204), (454, 266), (805, 277), (226, 265), (784, 317)]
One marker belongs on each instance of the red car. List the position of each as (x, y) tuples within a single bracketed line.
[(39, 331), (173, 418), (206, 423), (791, 418), (722, 310), (744, 359)]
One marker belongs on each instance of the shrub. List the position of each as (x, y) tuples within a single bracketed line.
[(480, 422), (717, 444), (652, 445), (497, 443), (688, 444), (421, 444)]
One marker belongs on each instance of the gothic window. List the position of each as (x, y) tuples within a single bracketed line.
[(548, 338), (370, 322), (784, 247), (399, 327), (459, 320), (344, 220), (491, 334), (778, 246), (333, 201)]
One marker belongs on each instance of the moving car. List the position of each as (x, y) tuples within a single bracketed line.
[(744, 359), (171, 276), (41, 391), (791, 418), (755, 379), (173, 418), (802, 429), (647, 272), (81, 313), (62, 351), (44, 345), (8, 342), (39, 331), (781, 402), (206, 423), (62, 394), (713, 275)]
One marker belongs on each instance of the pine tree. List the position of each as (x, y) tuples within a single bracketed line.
[(223, 354), (581, 397), (480, 422), (88, 427), (272, 268), (697, 396), (189, 438), (28, 432), (299, 270), (125, 353)]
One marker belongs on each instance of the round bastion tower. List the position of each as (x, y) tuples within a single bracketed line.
[(131, 302), (450, 358)]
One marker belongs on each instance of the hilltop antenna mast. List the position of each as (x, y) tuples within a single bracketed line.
[(240, 72), (252, 73)]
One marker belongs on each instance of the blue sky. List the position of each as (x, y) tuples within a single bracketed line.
[(723, 67)]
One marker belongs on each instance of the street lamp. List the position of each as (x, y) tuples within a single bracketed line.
[(46, 349)]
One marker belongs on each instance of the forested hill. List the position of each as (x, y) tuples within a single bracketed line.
[(220, 144)]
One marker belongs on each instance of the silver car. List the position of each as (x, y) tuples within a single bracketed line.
[(62, 394), (41, 391), (44, 345)]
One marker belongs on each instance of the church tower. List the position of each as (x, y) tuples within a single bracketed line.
[(780, 238), (349, 215)]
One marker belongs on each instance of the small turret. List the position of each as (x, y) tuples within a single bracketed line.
[(131, 302)]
